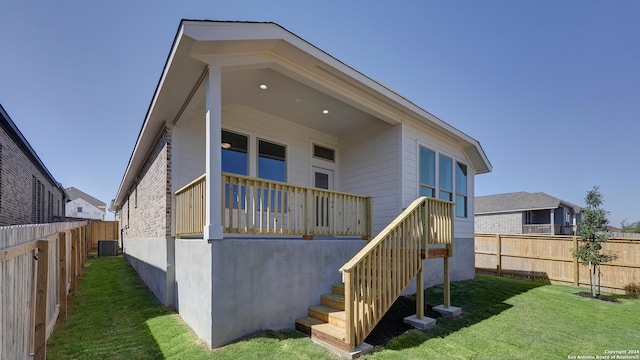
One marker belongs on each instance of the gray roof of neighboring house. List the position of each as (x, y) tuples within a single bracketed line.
[(77, 194), (519, 201)]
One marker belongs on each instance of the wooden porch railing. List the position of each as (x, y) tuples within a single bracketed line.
[(377, 275), (190, 208), (259, 206), (546, 229)]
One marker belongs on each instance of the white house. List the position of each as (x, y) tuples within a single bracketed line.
[(262, 164), (83, 205)]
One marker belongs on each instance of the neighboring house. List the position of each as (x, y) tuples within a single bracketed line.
[(261, 164), (84, 206), (29, 194), (526, 213)]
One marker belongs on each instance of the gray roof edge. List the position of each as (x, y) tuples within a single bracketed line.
[(74, 194), (513, 211)]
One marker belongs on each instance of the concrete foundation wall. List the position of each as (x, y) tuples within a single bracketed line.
[(193, 285), (152, 260), (462, 267), (229, 288), (267, 284)]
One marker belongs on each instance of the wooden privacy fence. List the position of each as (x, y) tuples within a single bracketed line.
[(102, 230), (549, 257), (39, 267)]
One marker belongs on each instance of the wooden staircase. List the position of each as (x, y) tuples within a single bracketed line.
[(376, 276), (326, 321)]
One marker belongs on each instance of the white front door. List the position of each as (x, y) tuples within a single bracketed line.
[(322, 179)]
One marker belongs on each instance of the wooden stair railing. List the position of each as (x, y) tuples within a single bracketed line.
[(376, 276)]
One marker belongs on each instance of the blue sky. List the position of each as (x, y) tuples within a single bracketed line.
[(551, 89)]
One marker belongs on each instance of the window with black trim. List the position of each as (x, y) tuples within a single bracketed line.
[(235, 153), (235, 160), (324, 153), (272, 161), (272, 165)]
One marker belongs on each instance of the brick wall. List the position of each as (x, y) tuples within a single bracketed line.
[(26, 195), (147, 211), (507, 223)]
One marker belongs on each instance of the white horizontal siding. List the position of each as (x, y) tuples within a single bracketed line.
[(369, 166), (188, 143), (415, 134), (188, 155), (465, 228), (295, 137)]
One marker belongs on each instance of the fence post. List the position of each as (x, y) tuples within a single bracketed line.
[(42, 279), (87, 241), (498, 255), (74, 259), (80, 251), (446, 283), (420, 292), (576, 266), (62, 293)]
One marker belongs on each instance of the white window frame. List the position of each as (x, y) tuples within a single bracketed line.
[(455, 189), (455, 162)]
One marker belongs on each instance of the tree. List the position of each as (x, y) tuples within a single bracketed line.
[(633, 227), (593, 232)]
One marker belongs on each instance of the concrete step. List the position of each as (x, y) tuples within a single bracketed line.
[(333, 300), (328, 314)]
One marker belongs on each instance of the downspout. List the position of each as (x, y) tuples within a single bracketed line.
[(126, 227)]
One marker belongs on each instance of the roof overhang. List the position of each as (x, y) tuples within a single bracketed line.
[(243, 46)]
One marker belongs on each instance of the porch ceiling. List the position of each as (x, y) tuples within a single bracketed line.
[(290, 99)]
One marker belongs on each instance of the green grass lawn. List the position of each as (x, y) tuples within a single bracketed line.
[(114, 316)]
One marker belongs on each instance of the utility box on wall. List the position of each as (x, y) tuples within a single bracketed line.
[(107, 248)]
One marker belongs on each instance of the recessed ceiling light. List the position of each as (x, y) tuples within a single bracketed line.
[(325, 111), (263, 86), (226, 145)]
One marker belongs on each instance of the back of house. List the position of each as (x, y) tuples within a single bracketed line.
[(264, 165)]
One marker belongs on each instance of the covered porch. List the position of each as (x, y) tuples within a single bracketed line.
[(271, 147)]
